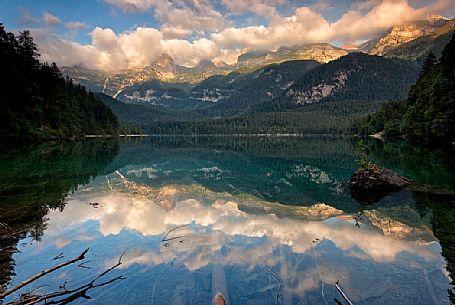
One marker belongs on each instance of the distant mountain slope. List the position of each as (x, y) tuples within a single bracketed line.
[(419, 48), (356, 76), (156, 93), (321, 52), (327, 97), (412, 41), (399, 35), (286, 86), (165, 71), (162, 70), (291, 85), (91, 79), (140, 115), (235, 93)]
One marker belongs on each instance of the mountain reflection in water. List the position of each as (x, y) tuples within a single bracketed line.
[(195, 220)]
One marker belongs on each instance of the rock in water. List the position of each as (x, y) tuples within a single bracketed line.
[(372, 182)]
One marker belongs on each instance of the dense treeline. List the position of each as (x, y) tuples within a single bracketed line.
[(323, 118), (428, 114), (38, 103)]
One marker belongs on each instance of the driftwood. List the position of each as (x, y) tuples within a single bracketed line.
[(345, 297), (43, 273), (66, 295)]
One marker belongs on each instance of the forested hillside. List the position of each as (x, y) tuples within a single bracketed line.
[(428, 113), (237, 93), (323, 118), (38, 103), (354, 76), (133, 115)]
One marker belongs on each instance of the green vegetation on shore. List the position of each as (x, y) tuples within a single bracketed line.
[(428, 113), (335, 118)]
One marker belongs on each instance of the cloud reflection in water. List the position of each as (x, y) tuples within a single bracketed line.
[(261, 253)]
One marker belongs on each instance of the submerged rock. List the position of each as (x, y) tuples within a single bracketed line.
[(372, 182)]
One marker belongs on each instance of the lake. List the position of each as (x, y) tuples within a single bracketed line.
[(262, 220)]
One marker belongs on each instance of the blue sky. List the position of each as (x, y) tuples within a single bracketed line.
[(92, 13), (117, 34)]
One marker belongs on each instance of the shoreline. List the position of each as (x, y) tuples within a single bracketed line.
[(283, 135)]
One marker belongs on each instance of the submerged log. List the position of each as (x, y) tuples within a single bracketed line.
[(345, 297), (372, 182)]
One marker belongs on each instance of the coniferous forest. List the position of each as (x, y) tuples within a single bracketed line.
[(38, 103), (428, 113)]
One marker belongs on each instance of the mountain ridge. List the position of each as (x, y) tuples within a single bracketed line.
[(165, 83)]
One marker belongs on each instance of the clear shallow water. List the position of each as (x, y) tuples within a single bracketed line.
[(265, 221)]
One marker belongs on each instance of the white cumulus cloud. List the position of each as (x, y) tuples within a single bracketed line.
[(191, 31), (265, 8)]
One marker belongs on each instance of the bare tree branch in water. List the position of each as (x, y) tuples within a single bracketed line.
[(43, 273), (64, 296), (345, 297), (165, 238)]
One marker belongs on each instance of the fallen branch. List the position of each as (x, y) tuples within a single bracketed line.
[(43, 273), (68, 295), (345, 297)]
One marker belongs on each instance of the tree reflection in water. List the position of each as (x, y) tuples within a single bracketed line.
[(37, 179), (186, 179)]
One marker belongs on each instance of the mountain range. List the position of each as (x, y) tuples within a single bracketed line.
[(288, 78)]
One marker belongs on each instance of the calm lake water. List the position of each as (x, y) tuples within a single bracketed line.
[(262, 220)]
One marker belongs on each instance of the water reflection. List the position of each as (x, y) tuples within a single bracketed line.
[(259, 256), (281, 170), (434, 167), (264, 222), (37, 179)]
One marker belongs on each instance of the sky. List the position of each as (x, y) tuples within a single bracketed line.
[(113, 35)]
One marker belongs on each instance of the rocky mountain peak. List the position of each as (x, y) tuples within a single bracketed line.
[(251, 55), (206, 63), (164, 64), (408, 32), (437, 19), (399, 35)]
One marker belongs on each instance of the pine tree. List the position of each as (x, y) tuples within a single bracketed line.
[(448, 57), (37, 102), (28, 50), (428, 64)]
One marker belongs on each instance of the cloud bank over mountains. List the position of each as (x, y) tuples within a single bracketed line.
[(194, 30)]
